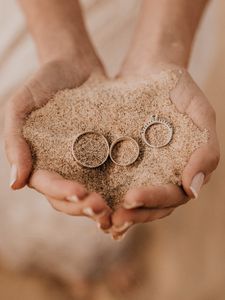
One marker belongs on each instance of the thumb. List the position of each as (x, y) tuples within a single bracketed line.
[(199, 168), (17, 150), (19, 157)]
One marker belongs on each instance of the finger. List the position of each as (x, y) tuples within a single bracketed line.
[(17, 150), (189, 99), (55, 186), (123, 219), (97, 208), (66, 207), (92, 206), (199, 168), (164, 196), (71, 197), (19, 156)]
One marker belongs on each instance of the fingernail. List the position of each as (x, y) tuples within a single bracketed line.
[(73, 198), (132, 205), (119, 237), (197, 183), (13, 175), (123, 227), (88, 211)]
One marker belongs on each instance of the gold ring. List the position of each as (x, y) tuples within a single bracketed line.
[(136, 151), (90, 149)]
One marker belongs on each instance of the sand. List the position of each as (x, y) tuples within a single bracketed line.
[(125, 151), (90, 149), (114, 108)]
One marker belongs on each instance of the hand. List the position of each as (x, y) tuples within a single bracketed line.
[(154, 202), (61, 193)]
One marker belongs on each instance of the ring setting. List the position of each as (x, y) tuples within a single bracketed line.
[(155, 120)]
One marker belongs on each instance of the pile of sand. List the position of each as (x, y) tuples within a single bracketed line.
[(114, 108)]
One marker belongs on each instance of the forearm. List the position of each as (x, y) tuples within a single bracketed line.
[(58, 29), (165, 32)]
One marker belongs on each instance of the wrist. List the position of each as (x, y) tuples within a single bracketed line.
[(78, 58), (164, 34), (66, 46), (59, 30), (161, 55)]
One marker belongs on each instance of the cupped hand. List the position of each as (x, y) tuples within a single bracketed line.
[(154, 202), (64, 195)]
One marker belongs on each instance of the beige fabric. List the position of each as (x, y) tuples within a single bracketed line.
[(187, 260)]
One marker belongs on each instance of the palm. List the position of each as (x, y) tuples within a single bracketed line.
[(197, 107), (151, 203), (35, 93)]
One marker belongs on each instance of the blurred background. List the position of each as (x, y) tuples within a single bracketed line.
[(44, 255)]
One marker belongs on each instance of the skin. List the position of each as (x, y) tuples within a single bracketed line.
[(63, 65), (162, 40), (156, 202)]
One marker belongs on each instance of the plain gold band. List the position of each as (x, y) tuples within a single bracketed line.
[(124, 138), (86, 165)]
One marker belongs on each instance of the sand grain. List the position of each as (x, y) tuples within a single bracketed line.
[(114, 108)]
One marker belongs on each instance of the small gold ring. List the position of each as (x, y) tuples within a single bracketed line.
[(86, 150), (136, 148)]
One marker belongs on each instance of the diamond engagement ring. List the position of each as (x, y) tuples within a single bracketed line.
[(155, 120)]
